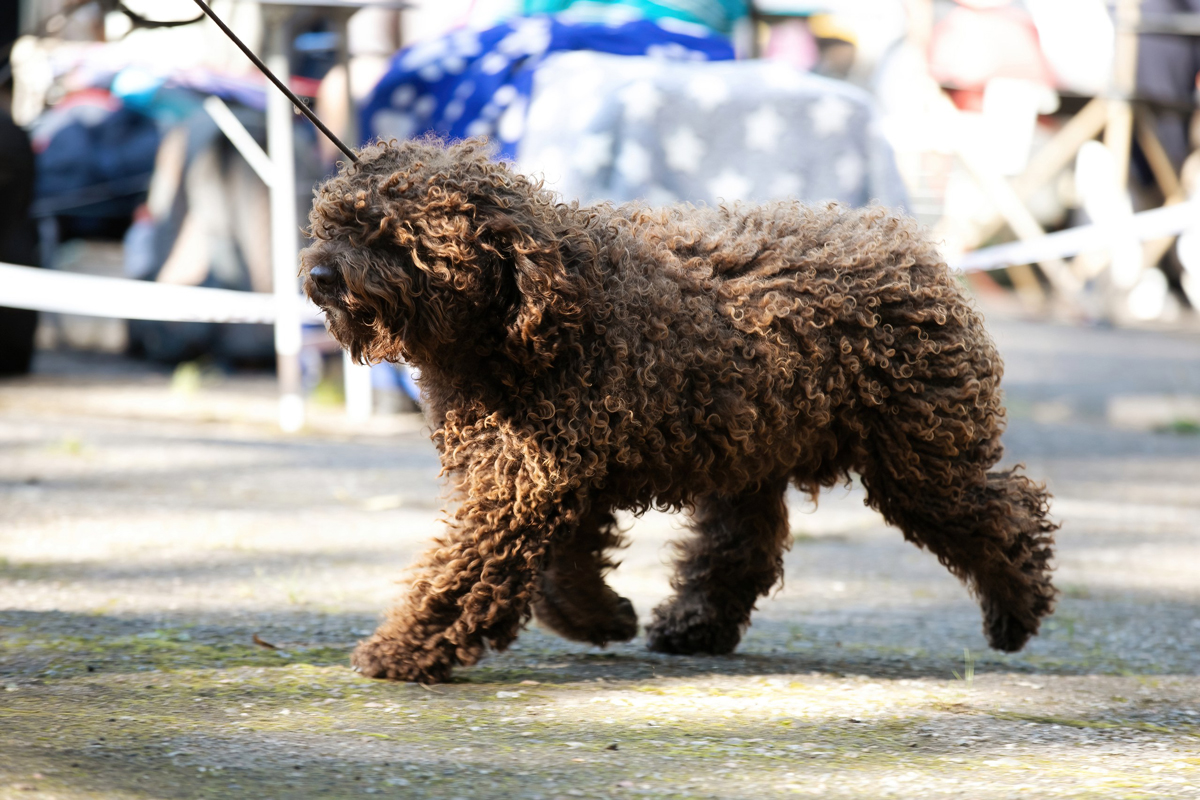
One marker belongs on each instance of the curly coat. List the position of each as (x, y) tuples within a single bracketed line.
[(576, 361)]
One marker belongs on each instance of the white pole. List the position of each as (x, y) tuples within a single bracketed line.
[(356, 378), (284, 252), (357, 383), (240, 138)]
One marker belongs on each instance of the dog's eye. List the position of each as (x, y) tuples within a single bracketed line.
[(324, 276)]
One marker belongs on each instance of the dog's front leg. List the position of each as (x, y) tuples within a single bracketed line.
[(475, 586)]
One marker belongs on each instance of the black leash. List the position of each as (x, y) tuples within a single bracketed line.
[(142, 22), (304, 109)]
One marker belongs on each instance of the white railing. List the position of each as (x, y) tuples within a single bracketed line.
[(1154, 224), (122, 298)]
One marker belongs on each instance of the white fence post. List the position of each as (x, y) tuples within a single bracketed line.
[(281, 145), (357, 382)]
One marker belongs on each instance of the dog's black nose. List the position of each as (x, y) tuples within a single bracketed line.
[(324, 277)]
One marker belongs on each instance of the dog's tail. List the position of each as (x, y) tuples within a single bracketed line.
[(1013, 583)]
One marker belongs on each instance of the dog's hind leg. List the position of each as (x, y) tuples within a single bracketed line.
[(734, 557), (988, 528), (575, 602)]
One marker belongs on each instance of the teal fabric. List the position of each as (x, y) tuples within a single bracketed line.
[(716, 15)]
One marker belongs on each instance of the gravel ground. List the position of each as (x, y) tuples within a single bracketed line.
[(150, 533)]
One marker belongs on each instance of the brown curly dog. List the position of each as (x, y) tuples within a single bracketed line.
[(581, 360)]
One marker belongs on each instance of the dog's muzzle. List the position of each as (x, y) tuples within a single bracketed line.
[(325, 282)]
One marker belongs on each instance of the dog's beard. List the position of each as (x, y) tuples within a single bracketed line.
[(362, 340), (340, 325), (335, 323)]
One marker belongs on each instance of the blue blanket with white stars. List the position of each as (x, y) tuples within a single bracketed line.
[(478, 83)]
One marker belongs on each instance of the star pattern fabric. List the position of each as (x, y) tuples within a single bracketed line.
[(849, 170), (684, 149), (703, 133), (786, 186), (730, 186), (830, 115), (641, 101), (708, 92), (593, 152), (633, 162), (763, 129), (470, 83)]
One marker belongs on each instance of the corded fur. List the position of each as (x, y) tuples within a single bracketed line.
[(580, 360)]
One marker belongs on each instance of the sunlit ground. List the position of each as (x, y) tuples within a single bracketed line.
[(149, 534)]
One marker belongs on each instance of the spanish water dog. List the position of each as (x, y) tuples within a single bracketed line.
[(576, 361)]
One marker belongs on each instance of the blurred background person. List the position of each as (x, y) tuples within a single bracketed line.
[(1166, 73), (18, 239)]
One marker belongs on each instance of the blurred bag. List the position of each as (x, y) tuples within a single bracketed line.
[(94, 161)]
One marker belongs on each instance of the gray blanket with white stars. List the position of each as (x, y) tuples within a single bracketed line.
[(620, 128)]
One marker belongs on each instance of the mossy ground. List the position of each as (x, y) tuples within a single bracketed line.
[(181, 718), (140, 558)]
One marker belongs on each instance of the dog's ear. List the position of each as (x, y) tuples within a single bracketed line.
[(536, 281)]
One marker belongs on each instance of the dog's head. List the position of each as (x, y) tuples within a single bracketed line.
[(429, 252)]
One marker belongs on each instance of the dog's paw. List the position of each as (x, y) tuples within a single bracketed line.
[(689, 631), (390, 660), (598, 625), (624, 622), (621, 625)]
